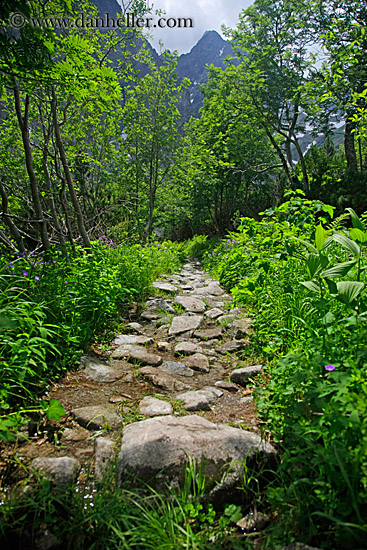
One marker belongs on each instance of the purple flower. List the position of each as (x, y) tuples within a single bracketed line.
[(54, 261), (66, 282), (37, 278), (329, 367), (25, 273)]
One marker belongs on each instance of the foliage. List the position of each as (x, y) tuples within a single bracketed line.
[(302, 275)]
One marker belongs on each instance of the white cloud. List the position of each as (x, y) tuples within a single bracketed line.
[(206, 15)]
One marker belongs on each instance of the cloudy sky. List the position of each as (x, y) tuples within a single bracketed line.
[(206, 15)]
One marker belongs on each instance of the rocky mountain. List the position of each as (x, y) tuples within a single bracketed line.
[(211, 49)]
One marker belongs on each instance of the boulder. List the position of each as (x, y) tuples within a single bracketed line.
[(165, 287), (213, 313), (209, 333), (197, 400), (212, 289), (158, 450), (103, 457), (132, 339), (61, 471), (187, 348), (185, 323), (163, 346), (198, 362), (98, 371), (189, 303), (226, 386), (242, 376), (156, 304), (151, 406), (231, 347), (163, 380), (175, 367), (96, 417)]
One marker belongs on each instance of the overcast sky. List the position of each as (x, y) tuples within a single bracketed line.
[(206, 15)]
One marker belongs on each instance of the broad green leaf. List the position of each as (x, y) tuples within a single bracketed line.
[(311, 285), (307, 244), (347, 243), (315, 262), (355, 220), (357, 235), (333, 289), (339, 270), (348, 291), (320, 237), (7, 324), (55, 410)]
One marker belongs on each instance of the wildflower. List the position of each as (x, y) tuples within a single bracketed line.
[(37, 278), (25, 273), (54, 261), (66, 282), (329, 367)]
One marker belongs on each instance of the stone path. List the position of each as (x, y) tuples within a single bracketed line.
[(173, 386)]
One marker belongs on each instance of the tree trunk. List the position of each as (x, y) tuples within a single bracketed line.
[(349, 144), (9, 222), (74, 198), (23, 124)]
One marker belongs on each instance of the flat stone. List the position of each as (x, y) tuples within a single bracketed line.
[(163, 380), (103, 456), (158, 450), (132, 339), (75, 434), (187, 348), (140, 355), (151, 406), (136, 327), (198, 362), (213, 313), (247, 399), (299, 546), (185, 323), (62, 471), (166, 287), (163, 346), (215, 391), (159, 304), (162, 331), (96, 417), (240, 327), (209, 333), (242, 376), (189, 303), (197, 400), (98, 371), (213, 289), (226, 386), (231, 347), (149, 315), (175, 367)]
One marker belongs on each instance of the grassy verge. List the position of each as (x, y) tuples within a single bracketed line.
[(302, 275)]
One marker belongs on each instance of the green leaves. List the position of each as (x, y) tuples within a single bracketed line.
[(347, 243), (348, 291), (320, 237), (339, 270), (54, 410)]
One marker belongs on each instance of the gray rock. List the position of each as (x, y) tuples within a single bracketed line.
[(98, 371), (159, 304), (175, 367), (62, 471), (187, 348), (166, 287), (213, 313), (148, 315), (198, 362), (185, 323), (75, 434), (209, 333), (226, 386), (163, 380), (299, 546), (103, 457), (240, 327), (140, 355), (162, 331), (197, 400), (213, 289), (96, 417), (231, 347), (242, 376), (151, 406), (215, 391), (247, 399), (190, 303), (163, 346), (158, 450), (132, 339), (136, 327)]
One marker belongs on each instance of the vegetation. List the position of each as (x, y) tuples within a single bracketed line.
[(94, 166)]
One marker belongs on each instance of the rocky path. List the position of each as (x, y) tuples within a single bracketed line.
[(171, 386)]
